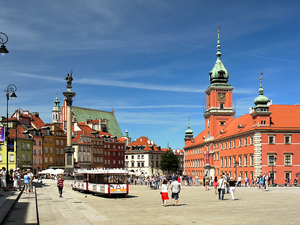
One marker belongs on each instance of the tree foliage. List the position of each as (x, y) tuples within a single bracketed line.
[(169, 161)]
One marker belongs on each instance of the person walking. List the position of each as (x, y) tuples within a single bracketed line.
[(261, 183), (15, 178), (18, 174), (30, 175), (175, 187), (156, 182), (3, 178), (60, 185), (216, 184), (206, 179), (221, 187), (164, 192), (266, 177), (232, 185), (246, 181), (26, 182), (226, 179)]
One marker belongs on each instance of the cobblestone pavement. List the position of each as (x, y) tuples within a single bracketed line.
[(143, 206)]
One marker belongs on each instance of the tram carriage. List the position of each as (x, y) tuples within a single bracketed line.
[(102, 181)]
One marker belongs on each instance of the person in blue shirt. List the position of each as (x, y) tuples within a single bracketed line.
[(26, 182)]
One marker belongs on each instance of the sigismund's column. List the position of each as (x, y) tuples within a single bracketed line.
[(69, 150)]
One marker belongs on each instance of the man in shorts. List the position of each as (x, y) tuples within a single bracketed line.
[(175, 187)]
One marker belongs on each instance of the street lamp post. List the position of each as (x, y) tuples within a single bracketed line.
[(273, 160), (235, 165), (10, 89), (3, 40)]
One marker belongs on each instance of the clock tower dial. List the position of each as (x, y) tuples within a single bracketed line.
[(221, 96)]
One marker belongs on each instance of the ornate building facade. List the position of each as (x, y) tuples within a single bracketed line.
[(264, 141)]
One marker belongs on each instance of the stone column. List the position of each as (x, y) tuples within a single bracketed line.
[(69, 150)]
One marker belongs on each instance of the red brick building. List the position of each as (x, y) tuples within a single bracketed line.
[(267, 140)]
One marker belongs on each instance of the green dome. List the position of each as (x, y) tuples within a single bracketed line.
[(189, 132), (56, 106), (219, 73), (261, 99)]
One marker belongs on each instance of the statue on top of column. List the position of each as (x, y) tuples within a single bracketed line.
[(69, 80)]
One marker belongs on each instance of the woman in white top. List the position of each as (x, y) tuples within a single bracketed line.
[(164, 192), (221, 187)]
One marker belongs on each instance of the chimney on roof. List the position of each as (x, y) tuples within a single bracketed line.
[(36, 114)]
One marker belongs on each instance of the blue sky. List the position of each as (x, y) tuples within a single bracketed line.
[(148, 60)]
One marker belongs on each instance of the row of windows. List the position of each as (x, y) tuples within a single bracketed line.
[(287, 159), (51, 151), (114, 146), (287, 139), (98, 151), (141, 164), (231, 161), (113, 153), (84, 148), (243, 160), (24, 146), (235, 174), (120, 162), (236, 143), (84, 158), (142, 156), (40, 142), (12, 157), (98, 159), (51, 160), (98, 142)]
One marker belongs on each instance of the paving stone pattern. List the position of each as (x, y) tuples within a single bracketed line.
[(143, 206)]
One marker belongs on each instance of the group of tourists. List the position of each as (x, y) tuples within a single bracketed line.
[(224, 183), (16, 176)]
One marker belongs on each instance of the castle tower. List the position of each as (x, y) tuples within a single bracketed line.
[(188, 135), (219, 110), (56, 111)]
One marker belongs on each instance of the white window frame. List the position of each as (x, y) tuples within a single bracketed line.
[(285, 159), (273, 139), (287, 137)]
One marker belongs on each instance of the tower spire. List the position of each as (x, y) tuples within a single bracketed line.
[(219, 75), (261, 101), (218, 45), (189, 132), (261, 90)]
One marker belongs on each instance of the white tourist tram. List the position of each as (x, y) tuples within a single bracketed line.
[(102, 181)]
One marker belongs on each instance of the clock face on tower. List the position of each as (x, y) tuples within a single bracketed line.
[(221, 96)]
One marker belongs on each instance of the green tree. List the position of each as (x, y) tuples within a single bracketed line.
[(169, 161)]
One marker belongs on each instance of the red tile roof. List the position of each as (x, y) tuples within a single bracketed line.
[(282, 117), (144, 141), (12, 133)]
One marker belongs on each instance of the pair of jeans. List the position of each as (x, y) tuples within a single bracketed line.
[(223, 192), (60, 190)]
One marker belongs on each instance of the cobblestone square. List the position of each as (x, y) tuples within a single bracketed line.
[(143, 206)]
